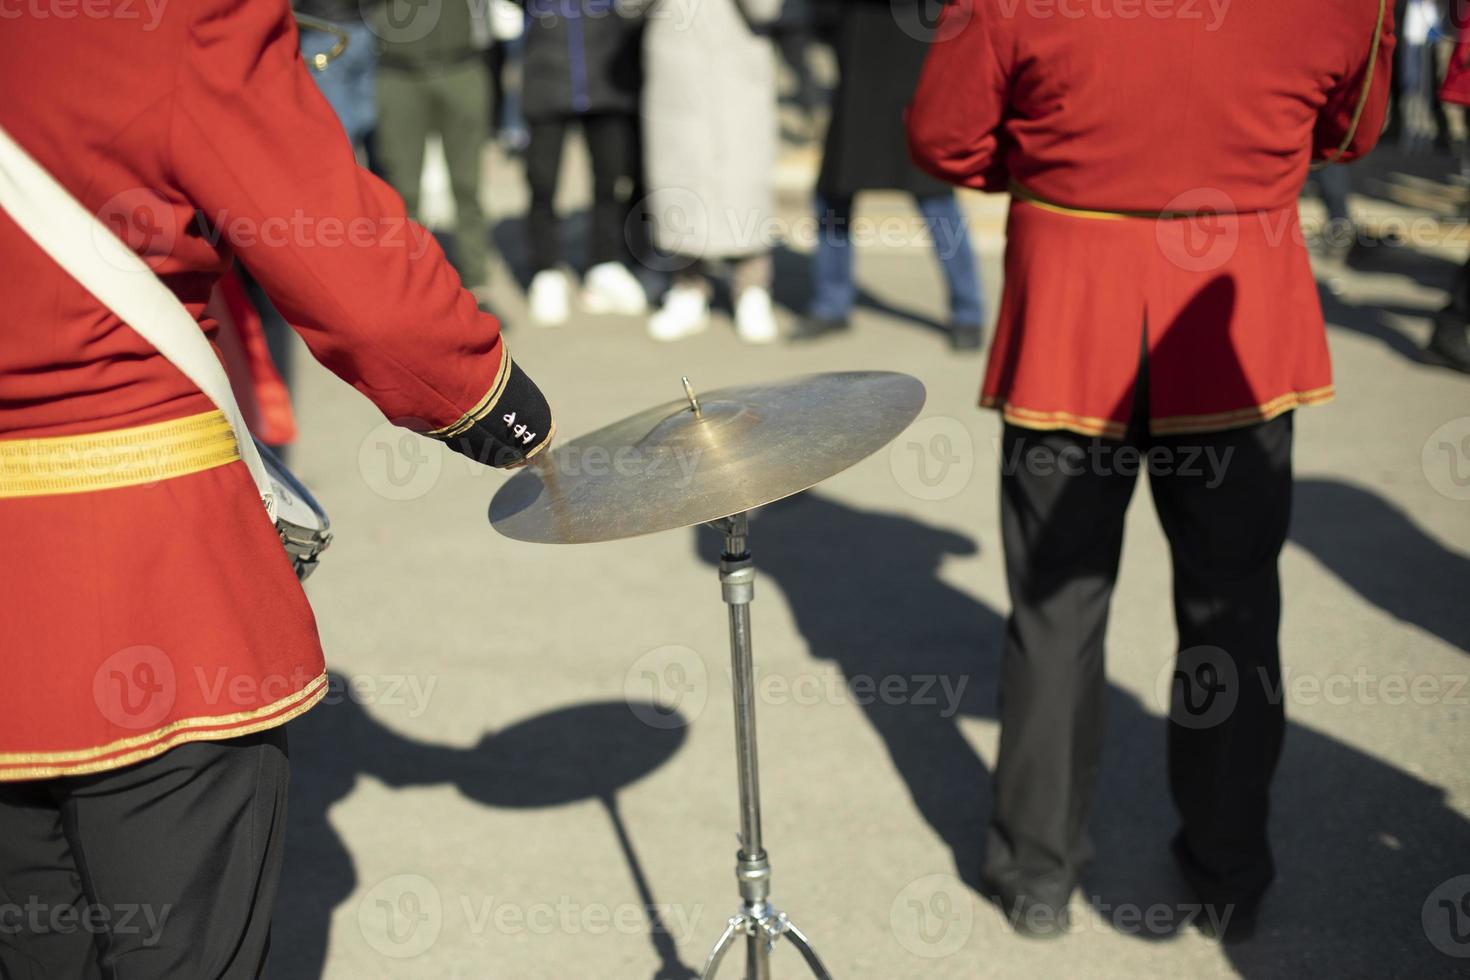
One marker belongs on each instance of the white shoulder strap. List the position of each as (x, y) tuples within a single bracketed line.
[(121, 281)]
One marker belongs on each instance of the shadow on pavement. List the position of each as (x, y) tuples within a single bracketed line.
[(1353, 532), (1370, 321), (1360, 845), (587, 751)]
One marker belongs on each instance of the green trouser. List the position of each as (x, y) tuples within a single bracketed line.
[(455, 103)]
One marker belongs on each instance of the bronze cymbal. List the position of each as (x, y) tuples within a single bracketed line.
[(700, 458)]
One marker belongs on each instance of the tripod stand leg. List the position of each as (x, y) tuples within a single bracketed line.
[(757, 956), (804, 946), (727, 939)]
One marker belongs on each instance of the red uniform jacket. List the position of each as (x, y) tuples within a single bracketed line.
[(1456, 86), (138, 617), (1198, 119)]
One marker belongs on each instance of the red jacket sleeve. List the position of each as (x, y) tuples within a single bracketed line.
[(1370, 75), (257, 149), (955, 117)]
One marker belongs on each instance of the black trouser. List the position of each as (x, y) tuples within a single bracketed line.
[(1063, 498), (612, 143), (163, 869)]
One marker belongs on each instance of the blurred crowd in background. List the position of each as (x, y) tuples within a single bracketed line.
[(676, 102), (684, 108)]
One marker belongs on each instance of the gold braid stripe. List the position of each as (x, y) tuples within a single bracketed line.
[(1352, 132), (485, 405), (120, 458), (1028, 418), (126, 751), (1022, 192), (1264, 412)]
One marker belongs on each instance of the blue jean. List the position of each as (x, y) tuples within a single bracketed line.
[(350, 81), (834, 291)]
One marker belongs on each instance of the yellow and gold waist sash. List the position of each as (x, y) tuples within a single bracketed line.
[(119, 458)]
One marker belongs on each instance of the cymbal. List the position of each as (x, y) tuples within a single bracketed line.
[(703, 457)]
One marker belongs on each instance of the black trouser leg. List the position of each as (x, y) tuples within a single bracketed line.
[(611, 139), (41, 899), (1062, 527), (1226, 517), (174, 862), (543, 165)]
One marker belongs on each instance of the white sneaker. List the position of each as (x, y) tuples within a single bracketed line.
[(609, 287), (550, 298), (755, 321), (685, 313)]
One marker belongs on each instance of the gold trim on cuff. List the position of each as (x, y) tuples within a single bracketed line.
[(40, 765), (485, 405)]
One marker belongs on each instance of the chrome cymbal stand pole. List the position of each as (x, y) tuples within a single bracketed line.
[(757, 920)]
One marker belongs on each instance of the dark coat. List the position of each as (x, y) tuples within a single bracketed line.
[(582, 56), (880, 51)]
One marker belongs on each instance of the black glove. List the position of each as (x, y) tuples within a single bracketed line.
[(510, 426)]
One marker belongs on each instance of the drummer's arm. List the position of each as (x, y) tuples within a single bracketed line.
[(258, 150), (1335, 120), (955, 117)]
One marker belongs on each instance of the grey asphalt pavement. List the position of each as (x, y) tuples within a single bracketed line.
[(528, 758)]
